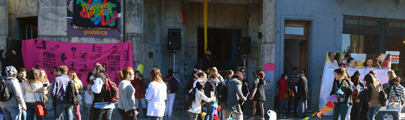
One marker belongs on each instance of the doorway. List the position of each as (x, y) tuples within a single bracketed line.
[(222, 43), (296, 46)]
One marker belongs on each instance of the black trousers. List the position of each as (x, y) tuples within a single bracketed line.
[(125, 116), (293, 100), (101, 114)]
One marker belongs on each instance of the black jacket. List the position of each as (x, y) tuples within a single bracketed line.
[(363, 105), (7, 62), (348, 91), (209, 61), (208, 88), (303, 88), (171, 83), (245, 89)]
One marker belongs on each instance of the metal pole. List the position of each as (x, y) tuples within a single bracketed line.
[(244, 61), (174, 61)]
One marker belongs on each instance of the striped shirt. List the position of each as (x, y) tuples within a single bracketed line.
[(400, 93)]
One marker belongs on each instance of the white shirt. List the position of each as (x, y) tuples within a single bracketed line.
[(196, 105), (156, 96), (330, 64)]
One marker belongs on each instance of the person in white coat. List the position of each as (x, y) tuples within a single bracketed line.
[(156, 95)]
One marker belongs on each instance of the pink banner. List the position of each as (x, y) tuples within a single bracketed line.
[(79, 57)]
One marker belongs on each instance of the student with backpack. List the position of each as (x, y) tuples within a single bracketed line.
[(126, 102), (105, 93), (79, 86), (172, 87), (396, 96), (156, 95), (12, 103), (199, 96), (59, 92), (234, 94)]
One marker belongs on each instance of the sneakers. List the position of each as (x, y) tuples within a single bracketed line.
[(171, 116)]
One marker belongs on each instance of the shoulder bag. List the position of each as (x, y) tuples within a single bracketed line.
[(40, 109)]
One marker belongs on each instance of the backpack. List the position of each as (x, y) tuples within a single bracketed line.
[(188, 100), (5, 92), (72, 94), (110, 94), (221, 92)]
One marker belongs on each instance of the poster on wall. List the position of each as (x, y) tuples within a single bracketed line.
[(79, 57), (93, 18), (364, 63)]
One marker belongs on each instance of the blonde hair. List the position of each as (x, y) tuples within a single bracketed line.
[(214, 70), (155, 75), (392, 75), (75, 78), (45, 75)]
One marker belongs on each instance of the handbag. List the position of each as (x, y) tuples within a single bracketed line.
[(251, 96), (285, 95), (383, 97), (40, 109), (402, 100)]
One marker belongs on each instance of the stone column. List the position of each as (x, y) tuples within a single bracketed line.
[(133, 15), (269, 41), (3, 22)]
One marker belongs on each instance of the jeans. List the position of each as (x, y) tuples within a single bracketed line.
[(125, 116), (302, 108), (104, 114), (372, 111), (66, 108), (210, 110), (226, 114), (23, 115), (169, 104), (77, 112), (280, 106), (193, 116), (31, 112), (141, 101), (155, 118), (340, 109), (11, 113), (293, 100)]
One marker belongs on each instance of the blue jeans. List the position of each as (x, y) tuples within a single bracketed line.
[(11, 113), (31, 112), (302, 108), (210, 110), (280, 106), (372, 111), (67, 108), (23, 115)]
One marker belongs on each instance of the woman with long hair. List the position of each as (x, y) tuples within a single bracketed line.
[(282, 93), (387, 62), (259, 98), (358, 87), (214, 70), (79, 87), (33, 90), (368, 63), (195, 108), (341, 83), (44, 79), (391, 75), (192, 79), (156, 95), (126, 101), (373, 95), (377, 61)]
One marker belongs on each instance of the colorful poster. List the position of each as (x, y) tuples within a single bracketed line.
[(79, 57), (394, 56), (94, 18)]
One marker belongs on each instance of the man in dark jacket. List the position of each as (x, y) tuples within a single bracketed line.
[(302, 95), (231, 104), (58, 93), (209, 61), (292, 84), (172, 87)]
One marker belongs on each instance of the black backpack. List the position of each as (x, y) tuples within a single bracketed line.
[(72, 94), (5, 92), (221, 92), (188, 100)]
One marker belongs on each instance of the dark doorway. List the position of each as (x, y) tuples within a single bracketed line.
[(223, 44), (27, 28)]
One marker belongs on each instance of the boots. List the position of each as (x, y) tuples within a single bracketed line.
[(144, 112)]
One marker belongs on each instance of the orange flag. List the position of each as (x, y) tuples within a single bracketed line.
[(319, 115), (329, 104), (323, 110), (328, 109)]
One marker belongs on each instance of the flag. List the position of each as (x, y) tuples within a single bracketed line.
[(328, 109), (329, 104), (306, 118), (339, 91), (323, 109), (319, 115), (332, 97)]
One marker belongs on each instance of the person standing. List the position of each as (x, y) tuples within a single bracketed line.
[(220, 79), (350, 63), (396, 96), (79, 87), (156, 95), (22, 76), (209, 91), (13, 107), (172, 87), (243, 71), (139, 85), (231, 104), (341, 107), (282, 94), (10, 59), (302, 95), (209, 60), (191, 81), (126, 101), (358, 87), (373, 95), (292, 84), (377, 61), (102, 108), (387, 62), (331, 62), (33, 90), (368, 63), (195, 108), (58, 93), (260, 96)]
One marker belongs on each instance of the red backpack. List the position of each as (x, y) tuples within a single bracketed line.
[(111, 93)]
